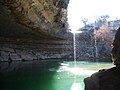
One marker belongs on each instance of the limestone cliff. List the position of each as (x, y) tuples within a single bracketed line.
[(32, 29)]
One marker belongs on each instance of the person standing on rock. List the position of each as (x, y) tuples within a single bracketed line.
[(107, 79)]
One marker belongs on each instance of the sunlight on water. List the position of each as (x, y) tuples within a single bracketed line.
[(70, 77), (76, 86), (75, 70)]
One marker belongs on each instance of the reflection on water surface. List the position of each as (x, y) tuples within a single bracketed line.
[(46, 75)]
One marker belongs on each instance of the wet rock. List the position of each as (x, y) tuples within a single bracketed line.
[(7, 49), (4, 56), (28, 56), (54, 56), (15, 57)]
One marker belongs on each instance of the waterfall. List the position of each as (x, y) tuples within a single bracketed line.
[(95, 45), (74, 45), (76, 85)]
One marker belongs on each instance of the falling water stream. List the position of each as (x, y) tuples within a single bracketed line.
[(74, 45), (75, 85), (95, 45)]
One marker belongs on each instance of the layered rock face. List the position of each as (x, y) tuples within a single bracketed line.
[(20, 50), (32, 29)]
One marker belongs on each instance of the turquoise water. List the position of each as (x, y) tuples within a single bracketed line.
[(47, 75)]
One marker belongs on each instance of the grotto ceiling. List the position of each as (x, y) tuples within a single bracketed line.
[(33, 18)]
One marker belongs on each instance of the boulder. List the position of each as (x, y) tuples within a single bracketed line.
[(104, 80)]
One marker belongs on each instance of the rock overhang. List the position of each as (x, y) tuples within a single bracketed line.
[(33, 18)]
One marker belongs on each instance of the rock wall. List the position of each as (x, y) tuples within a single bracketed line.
[(32, 29), (90, 49), (18, 50)]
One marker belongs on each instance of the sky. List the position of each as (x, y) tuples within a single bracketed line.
[(80, 9)]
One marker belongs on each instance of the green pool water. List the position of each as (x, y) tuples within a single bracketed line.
[(37, 75)]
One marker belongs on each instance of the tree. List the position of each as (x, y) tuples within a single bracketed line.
[(101, 20), (104, 35), (104, 17), (85, 20)]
